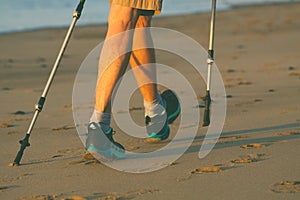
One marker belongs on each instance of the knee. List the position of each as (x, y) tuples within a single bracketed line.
[(123, 23), (122, 17)]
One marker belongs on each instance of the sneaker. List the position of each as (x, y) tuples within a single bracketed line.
[(101, 145), (172, 105), (158, 126)]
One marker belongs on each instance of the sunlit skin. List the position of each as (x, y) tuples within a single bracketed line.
[(123, 19)]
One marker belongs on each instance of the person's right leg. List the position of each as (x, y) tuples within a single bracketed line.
[(113, 61), (112, 64), (121, 19)]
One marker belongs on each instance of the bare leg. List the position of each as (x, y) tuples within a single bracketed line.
[(120, 19), (142, 60)]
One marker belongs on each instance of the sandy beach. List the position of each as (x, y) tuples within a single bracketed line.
[(257, 156)]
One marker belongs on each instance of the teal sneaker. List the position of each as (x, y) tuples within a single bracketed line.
[(101, 145), (158, 126), (172, 105)]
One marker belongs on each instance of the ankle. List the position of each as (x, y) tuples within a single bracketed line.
[(156, 107), (105, 127), (102, 118)]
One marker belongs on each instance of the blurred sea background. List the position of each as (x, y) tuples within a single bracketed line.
[(21, 15)]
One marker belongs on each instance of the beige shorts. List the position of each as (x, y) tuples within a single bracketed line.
[(154, 5)]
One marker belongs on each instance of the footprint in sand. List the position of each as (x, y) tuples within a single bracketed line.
[(127, 195), (211, 169), (251, 146), (295, 73), (231, 70), (74, 198), (214, 168), (6, 88), (289, 133), (70, 150), (185, 177), (65, 127), (84, 162), (291, 68), (13, 132), (250, 158), (41, 197), (20, 112), (271, 90), (232, 82), (3, 188), (5, 125), (232, 164), (79, 152), (286, 187), (257, 100), (52, 197), (230, 138), (106, 196)]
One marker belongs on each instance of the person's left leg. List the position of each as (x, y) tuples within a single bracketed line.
[(143, 62), (113, 61)]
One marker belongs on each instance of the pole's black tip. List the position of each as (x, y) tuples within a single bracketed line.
[(13, 164), (206, 120), (24, 143)]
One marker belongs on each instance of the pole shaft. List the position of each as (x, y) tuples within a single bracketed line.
[(210, 62), (34, 118), (212, 26), (59, 57), (76, 16), (209, 66), (39, 106)]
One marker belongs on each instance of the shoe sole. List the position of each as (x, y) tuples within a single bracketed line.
[(158, 139), (114, 154)]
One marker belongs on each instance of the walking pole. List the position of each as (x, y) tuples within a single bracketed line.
[(39, 106), (210, 62)]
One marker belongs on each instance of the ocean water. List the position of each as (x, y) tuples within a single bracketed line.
[(20, 15)]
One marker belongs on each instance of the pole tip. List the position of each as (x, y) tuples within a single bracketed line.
[(205, 124), (13, 164)]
